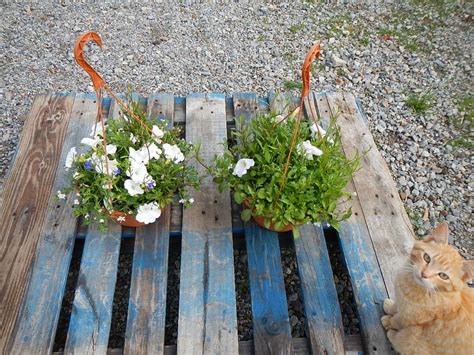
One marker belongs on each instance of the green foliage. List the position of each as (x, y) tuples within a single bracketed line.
[(171, 179), (465, 124), (295, 28), (419, 104), (293, 85), (313, 189)]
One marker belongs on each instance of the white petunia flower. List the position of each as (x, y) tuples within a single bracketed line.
[(101, 220), (92, 142), (309, 150), (148, 213), (96, 130), (191, 200), (132, 138), (242, 166), (110, 148), (60, 195), (137, 172), (100, 164), (153, 151), (133, 187), (182, 200), (157, 132), (75, 175), (138, 156), (173, 153), (87, 216), (121, 219), (314, 130), (76, 201), (71, 155)]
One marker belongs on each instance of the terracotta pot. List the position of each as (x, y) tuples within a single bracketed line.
[(261, 219), (129, 220)]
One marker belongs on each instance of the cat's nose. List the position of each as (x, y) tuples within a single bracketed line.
[(424, 275)]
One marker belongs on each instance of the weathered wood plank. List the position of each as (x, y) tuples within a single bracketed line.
[(388, 224), (25, 198), (271, 325), (40, 313), (91, 315), (361, 260), (207, 309), (147, 305), (323, 314), (92, 308), (352, 346)]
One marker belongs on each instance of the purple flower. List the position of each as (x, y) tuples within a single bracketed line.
[(117, 171), (149, 185), (88, 165)]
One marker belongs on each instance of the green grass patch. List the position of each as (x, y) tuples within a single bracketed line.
[(295, 28), (419, 104), (292, 85)]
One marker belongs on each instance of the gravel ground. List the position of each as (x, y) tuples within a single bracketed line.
[(383, 54), (410, 64)]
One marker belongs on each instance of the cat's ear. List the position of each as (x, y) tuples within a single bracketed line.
[(468, 270), (439, 235)]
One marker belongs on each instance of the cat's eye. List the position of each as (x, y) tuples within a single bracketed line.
[(443, 276), (427, 258)]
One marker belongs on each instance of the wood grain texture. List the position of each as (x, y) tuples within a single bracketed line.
[(25, 198), (37, 322), (271, 325), (145, 332), (321, 305), (388, 224), (92, 307), (361, 260), (207, 309)]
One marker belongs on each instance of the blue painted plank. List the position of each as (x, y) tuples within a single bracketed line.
[(367, 284), (359, 255), (207, 309), (91, 315), (147, 305), (38, 319), (271, 325), (323, 314)]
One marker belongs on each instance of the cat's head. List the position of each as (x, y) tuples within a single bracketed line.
[(438, 266)]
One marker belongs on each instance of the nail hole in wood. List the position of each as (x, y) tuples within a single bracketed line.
[(393, 213), (375, 212), (203, 212), (216, 218), (391, 195), (239, 105), (356, 213), (377, 195), (55, 224), (215, 201), (58, 206), (212, 111), (156, 100), (83, 101), (326, 111), (201, 107), (375, 348), (161, 112), (95, 101), (256, 107), (82, 113)]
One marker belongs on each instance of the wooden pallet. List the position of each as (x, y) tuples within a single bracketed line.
[(37, 238)]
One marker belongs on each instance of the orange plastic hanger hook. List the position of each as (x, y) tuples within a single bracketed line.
[(313, 53), (81, 42)]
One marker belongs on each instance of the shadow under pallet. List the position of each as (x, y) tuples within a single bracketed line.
[(207, 317)]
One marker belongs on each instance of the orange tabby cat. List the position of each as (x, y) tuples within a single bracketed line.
[(434, 308)]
